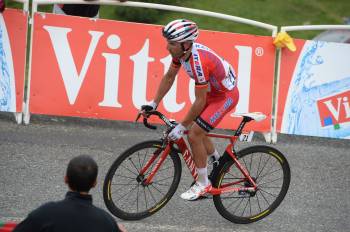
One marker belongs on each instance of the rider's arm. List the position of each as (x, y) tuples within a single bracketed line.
[(198, 104), (166, 83)]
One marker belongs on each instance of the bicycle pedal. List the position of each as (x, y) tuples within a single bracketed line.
[(204, 197)]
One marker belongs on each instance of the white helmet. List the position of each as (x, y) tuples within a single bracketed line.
[(181, 30)]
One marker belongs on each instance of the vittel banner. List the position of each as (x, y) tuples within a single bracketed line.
[(108, 69), (13, 34), (314, 96)]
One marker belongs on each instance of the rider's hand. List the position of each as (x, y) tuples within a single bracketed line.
[(151, 106), (177, 132)]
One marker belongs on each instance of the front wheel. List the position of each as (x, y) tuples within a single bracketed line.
[(124, 191), (268, 168)]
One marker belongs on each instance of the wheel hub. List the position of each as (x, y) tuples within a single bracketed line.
[(247, 184), (141, 179)]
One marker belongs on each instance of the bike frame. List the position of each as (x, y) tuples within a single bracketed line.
[(188, 158)]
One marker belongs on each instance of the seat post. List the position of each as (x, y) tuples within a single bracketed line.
[(242, 124)]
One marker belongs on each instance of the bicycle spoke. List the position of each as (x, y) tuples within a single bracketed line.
[(238, 205), (157, 190), (245, 164), (137, 199), (257, 171), (232, 203), (232, 176), (250, 207), (144, 159), (126, 193), (257, 198), (126, 177), (251, 163), (269, 181), (245, 208), (263, 167), (133, 164), (268, 203), (121, 187), (122, 184), (267, 169), (261, 177), (160, 184), (129, 170), (167, 178), (144, 191), (268, 193), (150, 193), (131, 203), (138, 156)]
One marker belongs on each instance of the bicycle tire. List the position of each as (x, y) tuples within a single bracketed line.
[(227, 204), (129, 163)]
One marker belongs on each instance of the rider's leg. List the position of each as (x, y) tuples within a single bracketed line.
[(210, 148), (196, 138)]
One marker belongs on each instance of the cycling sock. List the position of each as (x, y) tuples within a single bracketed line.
[(203, 176), (214, 155)]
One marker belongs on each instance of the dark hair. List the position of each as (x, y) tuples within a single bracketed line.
[(82, 173)]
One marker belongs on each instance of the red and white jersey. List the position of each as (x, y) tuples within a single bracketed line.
[(207, 68)]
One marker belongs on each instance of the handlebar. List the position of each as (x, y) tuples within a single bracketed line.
[(246, 118), (161, 116)]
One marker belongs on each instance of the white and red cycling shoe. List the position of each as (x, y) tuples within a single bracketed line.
[(196, 191)]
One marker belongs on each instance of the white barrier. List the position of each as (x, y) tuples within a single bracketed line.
[(19, 116), (315, 27), (163, 7), (279, 55), (270, 137), (36, 3)]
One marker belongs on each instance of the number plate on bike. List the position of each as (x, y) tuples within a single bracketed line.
[(246, 136)]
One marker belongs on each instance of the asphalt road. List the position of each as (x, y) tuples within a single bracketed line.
[(33, 159)]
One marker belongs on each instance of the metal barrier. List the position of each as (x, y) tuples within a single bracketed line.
[(279, 55), (273, 29), (270, 137)]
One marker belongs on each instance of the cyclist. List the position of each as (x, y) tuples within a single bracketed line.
[(215, 90)]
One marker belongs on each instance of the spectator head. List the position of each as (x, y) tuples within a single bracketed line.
[(81, 174)]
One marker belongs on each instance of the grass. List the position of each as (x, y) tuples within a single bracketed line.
[(275, 12)]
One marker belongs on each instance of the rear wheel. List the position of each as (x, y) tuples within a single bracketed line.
[(124, 191), (269, 169)]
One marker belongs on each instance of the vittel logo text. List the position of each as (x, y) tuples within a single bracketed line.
[(73, 80), (335, 110)]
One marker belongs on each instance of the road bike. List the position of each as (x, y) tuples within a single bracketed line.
[(247, 185)]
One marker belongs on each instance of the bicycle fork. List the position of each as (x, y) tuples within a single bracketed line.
[(163, 154), (186, 154)]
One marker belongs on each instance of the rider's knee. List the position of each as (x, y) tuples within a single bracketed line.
[(195, 136)]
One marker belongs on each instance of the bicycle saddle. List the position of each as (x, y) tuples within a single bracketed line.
[(257, 116)]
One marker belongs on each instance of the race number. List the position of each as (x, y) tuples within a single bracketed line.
[(246, 136)]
